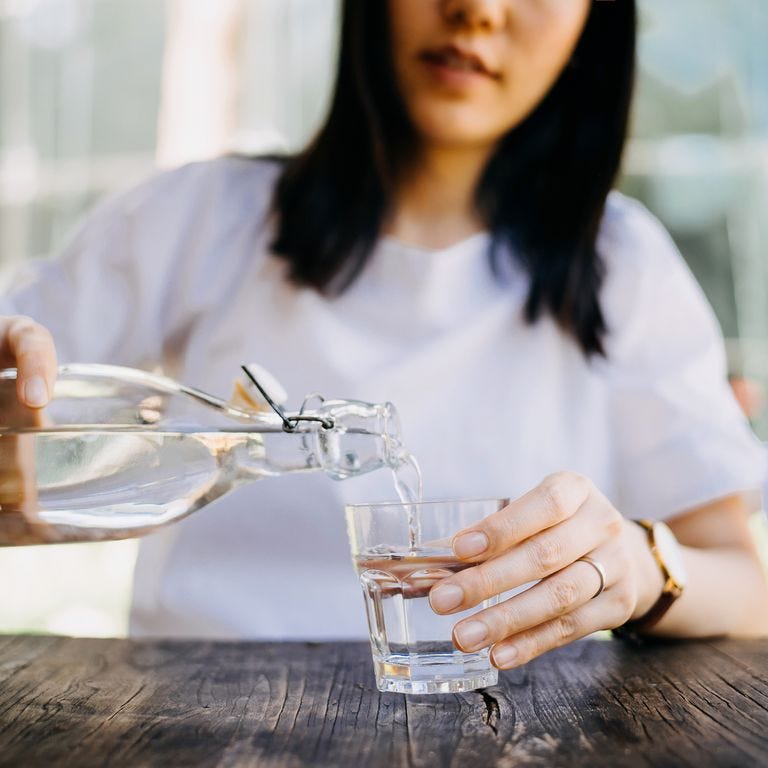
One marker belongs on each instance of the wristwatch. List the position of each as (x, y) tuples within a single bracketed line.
[(669, 557)]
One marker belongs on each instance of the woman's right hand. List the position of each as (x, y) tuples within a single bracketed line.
[(28, 347)]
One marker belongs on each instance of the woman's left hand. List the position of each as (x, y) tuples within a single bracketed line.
[(542, 535)]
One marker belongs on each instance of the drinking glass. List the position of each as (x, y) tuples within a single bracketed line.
[(400, 550)]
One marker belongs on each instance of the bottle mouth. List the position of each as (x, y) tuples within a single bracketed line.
[(391, 432)]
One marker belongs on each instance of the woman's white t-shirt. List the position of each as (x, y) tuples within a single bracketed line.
[(177, 272)]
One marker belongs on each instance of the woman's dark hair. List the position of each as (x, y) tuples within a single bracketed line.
[(543, 192)]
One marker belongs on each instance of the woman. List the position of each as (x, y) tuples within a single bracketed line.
[(449, 242)]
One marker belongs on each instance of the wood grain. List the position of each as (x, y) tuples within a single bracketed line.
[(87, 703)]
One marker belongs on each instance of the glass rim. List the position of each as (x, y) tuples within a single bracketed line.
[(474, 500)]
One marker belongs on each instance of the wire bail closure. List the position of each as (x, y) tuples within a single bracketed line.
[(290, 423)]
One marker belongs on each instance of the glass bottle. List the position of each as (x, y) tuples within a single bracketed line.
[(120, 452)]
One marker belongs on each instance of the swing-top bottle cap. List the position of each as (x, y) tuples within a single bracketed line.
[(246, 395)]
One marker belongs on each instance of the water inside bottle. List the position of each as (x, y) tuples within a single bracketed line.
[(62, 485), (65, 485)]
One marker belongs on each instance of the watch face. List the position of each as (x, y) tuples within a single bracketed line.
[(670, 552)]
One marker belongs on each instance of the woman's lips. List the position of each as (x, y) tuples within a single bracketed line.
[(453, 65)]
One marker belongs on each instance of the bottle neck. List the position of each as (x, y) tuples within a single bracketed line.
[(363, 438)]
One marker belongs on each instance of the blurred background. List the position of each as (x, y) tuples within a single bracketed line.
[(95, 94)]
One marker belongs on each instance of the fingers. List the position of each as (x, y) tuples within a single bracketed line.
[(536, 558), (557, 498), (541, 537), (30, 348), (559, 594), (610, 609)]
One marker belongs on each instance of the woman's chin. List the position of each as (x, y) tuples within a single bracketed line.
[(458, 137), (458, 128)]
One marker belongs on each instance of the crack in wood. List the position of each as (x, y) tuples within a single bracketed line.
[(492, 711), (408, 735), (741, 692)]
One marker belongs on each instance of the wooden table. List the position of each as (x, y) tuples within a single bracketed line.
[(596, 703)]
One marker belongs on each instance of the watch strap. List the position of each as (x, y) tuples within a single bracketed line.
[(655, 613), (668, 596)]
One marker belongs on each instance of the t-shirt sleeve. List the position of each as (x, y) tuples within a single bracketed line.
[(146, 264), (680, 439), (96, 297)]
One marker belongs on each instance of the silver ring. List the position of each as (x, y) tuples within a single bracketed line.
[(600, 572)]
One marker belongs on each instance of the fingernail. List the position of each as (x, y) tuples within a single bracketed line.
[(36, 392), (470, 544), (504, 656), (471, 634), (446, 597)]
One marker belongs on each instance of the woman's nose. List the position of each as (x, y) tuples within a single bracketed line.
[(486, 15)]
